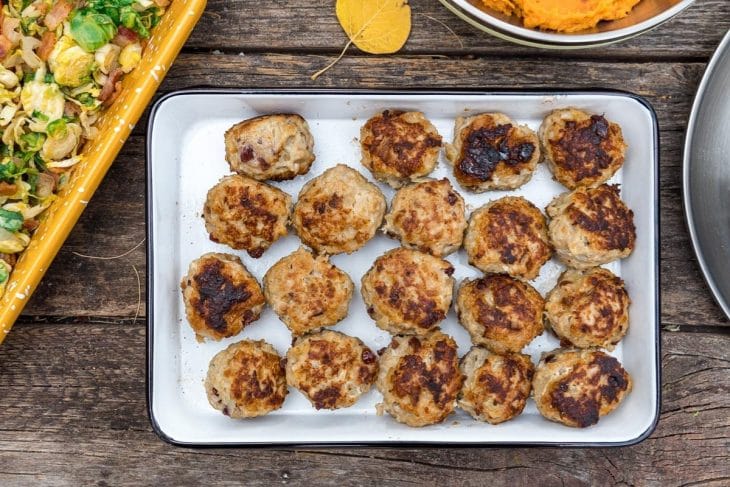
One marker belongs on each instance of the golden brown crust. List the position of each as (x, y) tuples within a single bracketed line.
[(419, 378), (331, 369), (246, 214), (221, 296), (399, 147), (275, 147), (591, 226), (246, 380), (338, 211), (509, 236), (490, 151), (407, 291), (307, 292), (577, 387), (500, 312), (428, 216), (496, 387), (588, 308), (581, 149)]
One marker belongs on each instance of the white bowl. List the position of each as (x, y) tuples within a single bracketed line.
[(645, 16)]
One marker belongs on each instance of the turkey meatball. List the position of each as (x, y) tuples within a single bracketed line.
[(339, 211), (428, 216), (246, 214), (399, 147), (275, 147), (221, 297)]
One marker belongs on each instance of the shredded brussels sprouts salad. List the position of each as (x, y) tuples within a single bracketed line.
[(61, 64)]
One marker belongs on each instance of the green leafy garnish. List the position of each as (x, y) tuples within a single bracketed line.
[(91, 29), (11, 221), (32, 141), (38, 115), (123, 13), (57, 128), (4, 274), (85, 99)]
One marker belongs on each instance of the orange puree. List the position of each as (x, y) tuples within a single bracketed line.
[(563, 15)]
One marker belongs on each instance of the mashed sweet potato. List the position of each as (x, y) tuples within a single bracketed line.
[(563, 15)]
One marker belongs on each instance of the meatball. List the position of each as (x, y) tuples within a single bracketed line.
[(419, 378), (275, 147), (307, 292), (246, 380), (399, 147), (338, 211), (407, 291), (501, 313), (332, 369), (588, 308), (581, 149), (221, 297), (591, 227), (246, 214), (577, 387), (509, 236), (496, 387), (428, 216), (491, 151)]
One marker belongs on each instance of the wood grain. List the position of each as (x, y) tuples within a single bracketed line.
[(73, 412), (251, 26), (114, 220)]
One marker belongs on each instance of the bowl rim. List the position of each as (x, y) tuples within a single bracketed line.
[(536, 38)]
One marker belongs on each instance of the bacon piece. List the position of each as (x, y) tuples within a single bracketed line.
[(57, 14), (71, 109), (31, 224), (7, 189), (112, 87), (125, 37), (5, 46), (48, 41)]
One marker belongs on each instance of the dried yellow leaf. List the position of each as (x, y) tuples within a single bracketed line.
[(374, 26)]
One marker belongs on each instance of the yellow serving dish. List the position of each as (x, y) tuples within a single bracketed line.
[(114, 127)]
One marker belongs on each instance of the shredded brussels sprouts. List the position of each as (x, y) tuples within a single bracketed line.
[(60, 65)]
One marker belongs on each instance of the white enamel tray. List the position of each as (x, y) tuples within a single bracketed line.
[(185, 157)]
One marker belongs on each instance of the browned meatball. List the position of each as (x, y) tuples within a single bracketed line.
[(419, 378), (399, 147), (221, 296), (490, 151), (496, 387), (339, 211), (428, 216), (407, 291), (500, 312), (246, 214), (588, 308), (276, 147), (307, 292), (577, 387), (246, 380), (581, 149), (509, 236), (331, 369), (591, 226)]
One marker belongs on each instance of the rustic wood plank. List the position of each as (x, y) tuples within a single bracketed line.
[(73, 412), (114, 221), (252, 26)]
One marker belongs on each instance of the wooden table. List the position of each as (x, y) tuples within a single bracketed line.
[(72, 372)]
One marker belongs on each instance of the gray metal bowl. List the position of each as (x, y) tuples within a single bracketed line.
[(706, 175), (645, 16)]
